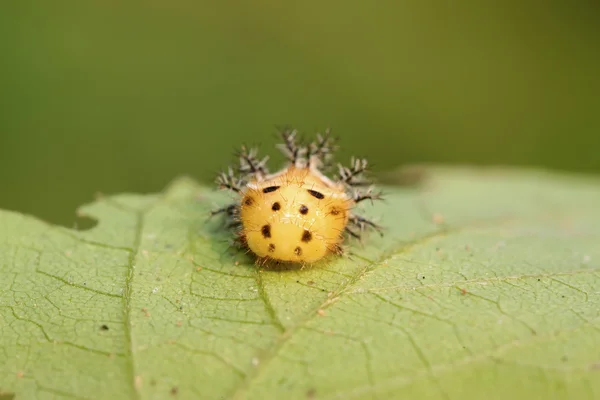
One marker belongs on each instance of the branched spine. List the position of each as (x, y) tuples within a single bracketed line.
[(363, 223), (232, 210), (250, 164), (289, 147), (321, 150), (353, 175), (370, 194), (228, 180)]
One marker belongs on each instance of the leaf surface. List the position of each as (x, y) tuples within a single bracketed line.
[(485, 285)]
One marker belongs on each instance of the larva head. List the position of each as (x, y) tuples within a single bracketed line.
[(293, 218)]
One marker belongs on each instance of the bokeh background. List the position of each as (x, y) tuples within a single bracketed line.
[(110, 96)]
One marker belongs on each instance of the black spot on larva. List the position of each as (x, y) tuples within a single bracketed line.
[(276, 206), (248, 201), (298, 251), (306, 236), (266, 231), (271, 247), (270, 189), (316, 194), (303, 209)]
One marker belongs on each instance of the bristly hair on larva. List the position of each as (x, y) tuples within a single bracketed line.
[(298, 214)]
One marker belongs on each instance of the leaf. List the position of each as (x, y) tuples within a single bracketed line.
[(486, 285)]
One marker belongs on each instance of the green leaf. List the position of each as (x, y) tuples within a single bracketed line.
[(485, 285)]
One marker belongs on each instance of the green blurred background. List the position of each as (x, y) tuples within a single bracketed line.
[(108, 96)]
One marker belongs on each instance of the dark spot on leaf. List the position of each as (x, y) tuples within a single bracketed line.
[(248, 201), (306, 236), (266, 231), (174, 390), (298, 251), (316, 194), (303, 209), (271, 247), (276, 206), (270, 189), (104, 327)]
